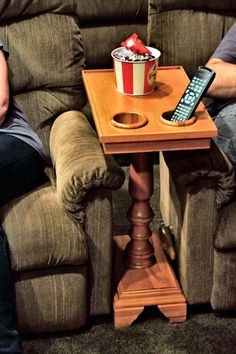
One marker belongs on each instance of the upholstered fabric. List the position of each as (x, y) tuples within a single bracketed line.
[(198, 200), (224, 239), (187, 32), (51, 300), (109, 37), (105, 26), (11, 9), (188, 166), (40, 234), (200, 183), (200, 5), (98, 228), (224, 281), (98, 10), (193, 237), (195, 253), (74, 150), (87, 10), (34, 66)]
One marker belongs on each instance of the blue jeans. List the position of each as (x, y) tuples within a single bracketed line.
[(21, 170), (226, 139)]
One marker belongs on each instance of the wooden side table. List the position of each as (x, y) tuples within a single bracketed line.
[(133, 124)]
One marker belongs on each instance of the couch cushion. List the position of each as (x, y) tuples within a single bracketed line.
[(45, 67), (97, 10), (104, 27), (109, 37), (87, 10), (50, 58), (224, 281), (51, 300), (187, 32), (190, 166), (200, 5), (226, 230), (40, 233), (10, 9)]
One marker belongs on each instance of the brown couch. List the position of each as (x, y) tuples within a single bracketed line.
[(60, 234), (197, 187)]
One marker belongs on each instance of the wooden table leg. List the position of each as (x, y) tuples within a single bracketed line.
[(143, 274), (139, 251)]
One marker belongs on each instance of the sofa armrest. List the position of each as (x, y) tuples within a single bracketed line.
[(194, 188), (79, 162), (186, 167)]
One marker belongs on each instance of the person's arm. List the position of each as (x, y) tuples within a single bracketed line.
[(4, 88), (224, 84)]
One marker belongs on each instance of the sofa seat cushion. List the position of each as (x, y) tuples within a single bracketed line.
[(40, 233), (225, 234), (51, 300), (224, 281)]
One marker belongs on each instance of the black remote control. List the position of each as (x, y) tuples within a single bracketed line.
[(193, 94)]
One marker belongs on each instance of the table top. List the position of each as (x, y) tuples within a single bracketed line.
[(106, 103)]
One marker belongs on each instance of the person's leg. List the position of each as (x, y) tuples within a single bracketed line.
[(9, 337), (226, 139), (21, 170)]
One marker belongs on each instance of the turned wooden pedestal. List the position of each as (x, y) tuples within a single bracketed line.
[(143, 274), (138, 288)]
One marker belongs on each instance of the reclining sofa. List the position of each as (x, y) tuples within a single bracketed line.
[(198, 201), (60, 234)]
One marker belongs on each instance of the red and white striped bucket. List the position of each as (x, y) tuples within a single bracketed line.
[(138, 77)]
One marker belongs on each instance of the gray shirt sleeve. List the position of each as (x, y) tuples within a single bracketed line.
[(227, 48), (16, 123), (4, 49)]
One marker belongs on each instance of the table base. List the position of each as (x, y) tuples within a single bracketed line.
[(138, 288)]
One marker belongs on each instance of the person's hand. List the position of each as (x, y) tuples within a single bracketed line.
[(4, 88)]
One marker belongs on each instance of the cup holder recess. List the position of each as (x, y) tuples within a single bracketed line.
[(129, 120), (166, 116)]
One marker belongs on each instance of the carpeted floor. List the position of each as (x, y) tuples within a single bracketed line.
[(204, 332)]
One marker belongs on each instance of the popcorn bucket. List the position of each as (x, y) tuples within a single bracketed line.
[(135, 77)]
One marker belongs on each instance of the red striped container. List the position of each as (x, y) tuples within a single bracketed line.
[(138, 77)]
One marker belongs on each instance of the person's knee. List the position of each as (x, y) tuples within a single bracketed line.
[(226, 138)]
